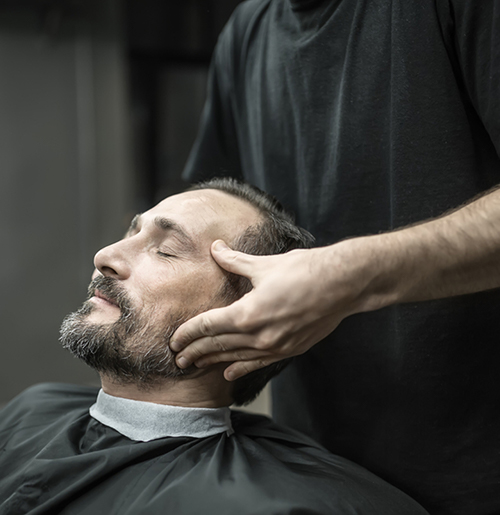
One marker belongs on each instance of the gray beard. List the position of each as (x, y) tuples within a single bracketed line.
[(132, 350)]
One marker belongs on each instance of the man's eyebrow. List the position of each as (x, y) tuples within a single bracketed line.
[(165, 224)]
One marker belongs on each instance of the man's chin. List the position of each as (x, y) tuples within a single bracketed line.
[(101, 318), (131, 348)]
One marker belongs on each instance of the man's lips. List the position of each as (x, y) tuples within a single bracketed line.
[(101, 296)]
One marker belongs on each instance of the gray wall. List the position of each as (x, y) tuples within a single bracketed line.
[(64, 179)]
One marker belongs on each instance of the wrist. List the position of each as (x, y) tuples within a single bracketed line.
[(368, 268)]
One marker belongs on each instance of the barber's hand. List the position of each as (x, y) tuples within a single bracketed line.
[(291, 307)]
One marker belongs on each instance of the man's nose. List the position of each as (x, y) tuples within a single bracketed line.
[(111, 261)]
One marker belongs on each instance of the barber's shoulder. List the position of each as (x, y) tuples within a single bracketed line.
[(240, 34), (242, 24), (246, 10)]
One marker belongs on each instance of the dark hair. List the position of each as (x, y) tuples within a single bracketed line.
[(276, 233)]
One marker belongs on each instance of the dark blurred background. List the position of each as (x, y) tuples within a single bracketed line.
[(99, 106)]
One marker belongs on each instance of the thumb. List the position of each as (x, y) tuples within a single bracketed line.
[(233, 261)]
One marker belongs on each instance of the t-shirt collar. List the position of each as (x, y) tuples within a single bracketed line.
[(304, 5), (145, 421)]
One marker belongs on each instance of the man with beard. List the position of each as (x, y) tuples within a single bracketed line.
[(159, 439)]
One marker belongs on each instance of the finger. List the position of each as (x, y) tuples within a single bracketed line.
[(233, 355), (233, 261), (210, 345), (242, 368), (215, 321)]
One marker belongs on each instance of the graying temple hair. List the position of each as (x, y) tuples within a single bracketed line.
[(277, 233)]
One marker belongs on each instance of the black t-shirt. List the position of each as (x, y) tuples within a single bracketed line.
[(363, 116), (56, 459)]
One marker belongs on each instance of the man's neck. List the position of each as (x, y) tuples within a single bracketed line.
[(201, 391)]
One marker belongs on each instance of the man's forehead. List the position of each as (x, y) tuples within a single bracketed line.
[(208, 210), (217, 202), (210, 198)]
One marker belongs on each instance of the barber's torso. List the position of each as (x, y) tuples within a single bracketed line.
[(363, 116)]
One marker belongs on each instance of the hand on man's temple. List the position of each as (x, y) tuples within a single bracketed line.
[(289, 309), (301, 296)]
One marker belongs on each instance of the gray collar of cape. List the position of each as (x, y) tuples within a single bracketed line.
[(146, 421)]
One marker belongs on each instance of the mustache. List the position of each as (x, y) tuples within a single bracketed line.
[(112, 289)]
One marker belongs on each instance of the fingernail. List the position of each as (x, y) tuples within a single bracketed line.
[(220, 246), (230, 376), (200, 364), (182, 362), (175, 346)]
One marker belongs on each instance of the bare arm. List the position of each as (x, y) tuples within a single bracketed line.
[(452, 255), (300, 297)]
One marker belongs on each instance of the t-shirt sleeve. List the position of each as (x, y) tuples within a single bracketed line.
[(215, 151), (476, 45)]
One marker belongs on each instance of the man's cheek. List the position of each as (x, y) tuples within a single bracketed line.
[(197, 292)]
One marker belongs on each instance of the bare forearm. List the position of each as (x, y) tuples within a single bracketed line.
[(301, 296), (456, 254)]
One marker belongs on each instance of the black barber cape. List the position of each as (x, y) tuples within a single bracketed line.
[(55, 458)]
